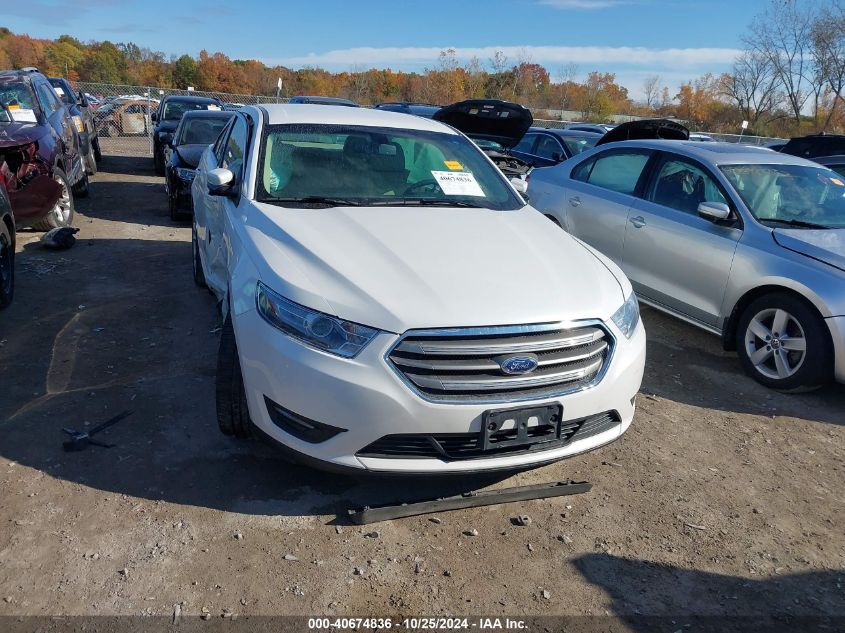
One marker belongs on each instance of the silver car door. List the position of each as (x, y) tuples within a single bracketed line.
[(673, 256), (599, 193)]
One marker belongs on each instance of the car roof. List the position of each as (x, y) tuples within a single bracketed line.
[(567, 132), (331, 115), (192, 99), (717, 153)]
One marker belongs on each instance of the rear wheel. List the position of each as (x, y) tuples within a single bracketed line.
[(783, 344), (62, 212), (80, 189), (98, 154), (7, 265), (232, 410), (158, 162), (91, 162)]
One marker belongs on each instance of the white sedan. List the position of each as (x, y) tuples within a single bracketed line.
[(392, 304)]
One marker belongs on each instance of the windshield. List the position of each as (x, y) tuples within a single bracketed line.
[(790, 194), (377, 166), (18, 102), (578, 145), (201, 131), (173, 110)]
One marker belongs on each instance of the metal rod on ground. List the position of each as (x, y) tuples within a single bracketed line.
[(374, 514)]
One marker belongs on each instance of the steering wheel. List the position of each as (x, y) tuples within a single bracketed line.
[(429, 185)]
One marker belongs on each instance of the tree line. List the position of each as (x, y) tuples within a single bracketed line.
[(788, 79)]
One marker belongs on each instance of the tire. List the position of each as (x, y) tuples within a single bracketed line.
[(62, 212), (778, 361), (7, 266), (80, 189), (232, 410), (158, 162), (98, 154), (91, 162), (196, 262), (175, 214)]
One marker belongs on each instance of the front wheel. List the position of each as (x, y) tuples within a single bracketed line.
[(80, 189), (62, 212), (7, 266), (782, 344), (232, 410)]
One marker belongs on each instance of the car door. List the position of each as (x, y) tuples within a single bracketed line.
[(232, 157), (549, 150), (524, 150), (598, 194), (673, 256), (57, 119)]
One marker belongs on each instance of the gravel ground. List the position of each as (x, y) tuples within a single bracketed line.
[(722, 499)]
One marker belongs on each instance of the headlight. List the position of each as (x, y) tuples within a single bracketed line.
[(185, 174), (314, 328), (627, 317), (77, 121)]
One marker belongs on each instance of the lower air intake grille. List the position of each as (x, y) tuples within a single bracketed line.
[(457, 446), (472, 365)]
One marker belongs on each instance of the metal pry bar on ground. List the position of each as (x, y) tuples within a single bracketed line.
[(370, 514), (79, 440)]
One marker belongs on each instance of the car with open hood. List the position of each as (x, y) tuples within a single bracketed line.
[(495, 126), (197, 130), (545, 147), (746, 243), (392, 304), (166, 119), (40, 159)]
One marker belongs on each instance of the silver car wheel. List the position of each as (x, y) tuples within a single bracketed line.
[(775, 343), (61, 210)]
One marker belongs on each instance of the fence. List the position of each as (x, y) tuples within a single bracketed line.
[(122, 116)]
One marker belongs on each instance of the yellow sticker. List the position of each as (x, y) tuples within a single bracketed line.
[(836, 181), (453, 165), (14, 106)]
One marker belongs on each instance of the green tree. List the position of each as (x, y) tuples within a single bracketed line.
[(104, 62)]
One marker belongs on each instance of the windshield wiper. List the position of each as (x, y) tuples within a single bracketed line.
[(421, 202), (797, 223), (312, 200)]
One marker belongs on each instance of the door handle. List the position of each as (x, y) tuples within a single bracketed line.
[(575, 201), (638, 221)]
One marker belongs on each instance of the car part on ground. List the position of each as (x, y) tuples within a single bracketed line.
[(80, 440), (59, 239), (741, 241), (410, 325), (166, 119), (388, 512), (40, 158), (646, 129), (197, 130)]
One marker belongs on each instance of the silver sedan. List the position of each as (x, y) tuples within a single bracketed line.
[(743, 242)]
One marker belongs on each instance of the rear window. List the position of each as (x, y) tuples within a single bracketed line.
[(619, 171), (173, 110), (201, 130)]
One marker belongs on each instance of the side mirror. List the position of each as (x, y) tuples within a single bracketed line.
[(714, 211), (219, 181), (154, 116)]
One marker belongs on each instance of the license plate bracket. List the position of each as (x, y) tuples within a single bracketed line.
[(520, 426)]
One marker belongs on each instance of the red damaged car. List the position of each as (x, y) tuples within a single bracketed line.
[(40, 161)]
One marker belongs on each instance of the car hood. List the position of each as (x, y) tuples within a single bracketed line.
[(646, 129), (490, 119), (191, 154), (825, 245), (13, 134), (409, 267)]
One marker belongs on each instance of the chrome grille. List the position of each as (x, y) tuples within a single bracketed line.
[(461, 365)]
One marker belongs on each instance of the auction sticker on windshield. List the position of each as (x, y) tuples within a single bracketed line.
[(23, 115), (458, 183)]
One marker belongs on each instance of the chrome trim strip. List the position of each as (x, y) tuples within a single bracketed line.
[(609, 336)]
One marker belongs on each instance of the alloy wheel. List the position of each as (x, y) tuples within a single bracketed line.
[(775, 343), (61, 211)]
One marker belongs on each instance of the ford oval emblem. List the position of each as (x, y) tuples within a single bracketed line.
[(518, 364)]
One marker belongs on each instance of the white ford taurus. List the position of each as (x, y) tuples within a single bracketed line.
[(392, 304)]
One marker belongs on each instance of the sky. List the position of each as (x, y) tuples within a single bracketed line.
[(676, 39)]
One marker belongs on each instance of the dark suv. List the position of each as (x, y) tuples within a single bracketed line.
[(83, 118), (815, 145), (166, 120), (39, 151)]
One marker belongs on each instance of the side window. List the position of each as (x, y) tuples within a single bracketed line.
[(47, 97), (682, 186), (526, 144), (234, 152), (548, 147), (618, 171), (220, 143)]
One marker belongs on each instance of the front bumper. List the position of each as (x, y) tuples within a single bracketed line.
[(837, 334), (367, 398)]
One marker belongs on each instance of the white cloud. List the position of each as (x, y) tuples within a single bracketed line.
[(583, 4), (590, 57)]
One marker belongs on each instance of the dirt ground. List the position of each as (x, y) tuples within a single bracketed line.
[(722, 499)]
